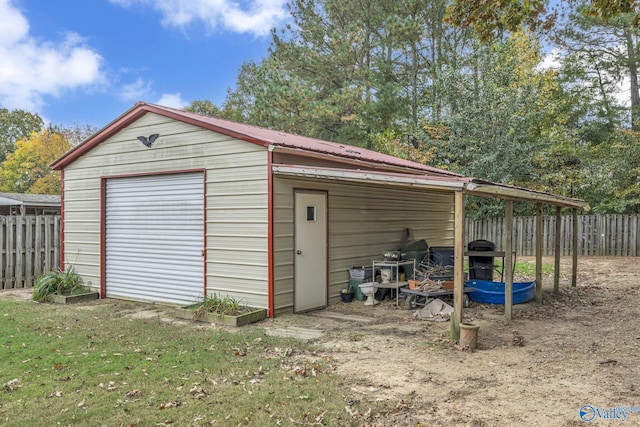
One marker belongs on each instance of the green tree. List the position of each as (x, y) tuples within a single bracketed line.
[(337, 59), (206, 108), (16, 125), (599, 50), (27, 170), (351, 70), (604, 35), (610, 181), (610, 8), (600, 53), (492, 18), (508, 122), (76, 133)]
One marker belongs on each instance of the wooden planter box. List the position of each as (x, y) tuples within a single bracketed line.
[(73, 299), (251, 316)]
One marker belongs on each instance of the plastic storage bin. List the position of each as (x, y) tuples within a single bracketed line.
[(360, 272), (355, 287)]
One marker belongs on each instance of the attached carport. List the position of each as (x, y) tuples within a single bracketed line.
[(460, 187)]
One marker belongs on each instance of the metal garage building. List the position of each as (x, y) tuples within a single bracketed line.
[(164, 205)]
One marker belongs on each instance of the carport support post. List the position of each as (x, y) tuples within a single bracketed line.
[(539, 252), (574, 247), (556, 265), (458, 265), (508, 260)]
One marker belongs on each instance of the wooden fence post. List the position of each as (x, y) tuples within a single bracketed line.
[(47, 245), (574, 264), (3, 253), (28, 253), (556, 255), (19, 252), (507, 268), (10, 273), (538, 252), (634, 235)]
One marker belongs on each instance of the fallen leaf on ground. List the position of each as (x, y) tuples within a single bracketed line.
[(170, 405), (11, 385)]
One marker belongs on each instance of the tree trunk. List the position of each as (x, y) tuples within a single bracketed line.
[(632, 58), (605, 97)]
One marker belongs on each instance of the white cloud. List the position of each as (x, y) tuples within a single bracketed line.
[(256, 17), (173, 100), (551, 61), (31, 70), (135, 91), (623, 94), (14, 25)]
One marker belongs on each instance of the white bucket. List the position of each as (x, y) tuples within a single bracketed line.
[(385, 275)]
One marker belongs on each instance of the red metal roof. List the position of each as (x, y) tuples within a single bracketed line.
[(254, 134)]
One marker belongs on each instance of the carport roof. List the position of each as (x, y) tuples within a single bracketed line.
[(471, 186)]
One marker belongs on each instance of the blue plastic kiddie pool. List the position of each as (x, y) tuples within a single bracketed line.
[(493, 292)]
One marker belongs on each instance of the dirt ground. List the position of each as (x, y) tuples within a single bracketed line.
[(580, 347), (577, 350)]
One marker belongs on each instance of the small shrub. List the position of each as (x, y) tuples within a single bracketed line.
[(217, 305), (59, 282)]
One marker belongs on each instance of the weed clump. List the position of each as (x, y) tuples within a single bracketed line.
[(214, 304), (58, 282)]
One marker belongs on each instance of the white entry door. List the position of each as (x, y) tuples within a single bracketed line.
[(310, 290)]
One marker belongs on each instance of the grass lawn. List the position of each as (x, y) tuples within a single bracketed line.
[(524, 268), (90, 365), (528, 268)]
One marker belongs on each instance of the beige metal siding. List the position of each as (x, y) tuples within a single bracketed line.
[(364, 221), (236, 200)]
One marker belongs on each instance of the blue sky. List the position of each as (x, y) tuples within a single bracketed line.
[(88, 61)]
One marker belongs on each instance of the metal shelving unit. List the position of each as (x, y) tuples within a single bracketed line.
[(397, 283)]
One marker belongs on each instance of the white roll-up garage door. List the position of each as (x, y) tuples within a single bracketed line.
[(155, 238)]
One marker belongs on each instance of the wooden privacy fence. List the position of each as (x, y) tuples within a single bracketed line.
[(30, 246), (612, 235)]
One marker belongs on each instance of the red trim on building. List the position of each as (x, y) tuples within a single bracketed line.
[(62, 267), (166, 172), (270, 231), (328, 224), (103, 236), (204, 231)]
